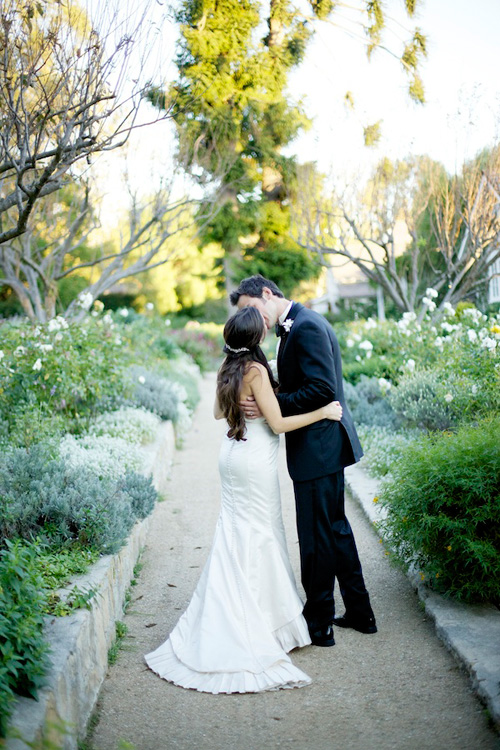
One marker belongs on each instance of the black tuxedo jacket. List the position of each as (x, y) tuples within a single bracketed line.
[(310, 376)]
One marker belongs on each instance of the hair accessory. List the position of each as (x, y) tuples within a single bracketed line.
[(235, 351)]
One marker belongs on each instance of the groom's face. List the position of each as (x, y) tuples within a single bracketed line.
[(265, 305)]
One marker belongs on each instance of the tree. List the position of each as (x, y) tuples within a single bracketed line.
[(452, 225), (58, 247), (234, 115), (63, 97)]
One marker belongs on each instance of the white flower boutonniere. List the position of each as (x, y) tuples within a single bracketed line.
[(288, 324)]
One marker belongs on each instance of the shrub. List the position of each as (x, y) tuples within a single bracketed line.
[(383, 448), (41, 496), (23, 650), (443, 510), (141, 493), (154, 393), (436, 399), (65, 368), (368, 403), (131, 424), (104, 455)]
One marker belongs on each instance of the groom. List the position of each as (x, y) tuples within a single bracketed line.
[(310, 376)]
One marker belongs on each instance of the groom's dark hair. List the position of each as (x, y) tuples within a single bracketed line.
[(252, 287)]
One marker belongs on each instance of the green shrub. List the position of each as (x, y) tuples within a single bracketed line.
[(443, 508), (64, 369), (375, 367), (23, 650)]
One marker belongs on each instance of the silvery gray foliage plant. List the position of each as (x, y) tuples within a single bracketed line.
[(154, 393), (369, 404), (41, 496)]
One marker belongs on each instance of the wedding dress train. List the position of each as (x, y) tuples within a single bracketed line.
[(245, 614)]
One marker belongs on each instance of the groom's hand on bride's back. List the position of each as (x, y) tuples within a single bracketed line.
[(249, 408)]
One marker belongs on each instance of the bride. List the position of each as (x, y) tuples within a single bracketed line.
[(245, 614)]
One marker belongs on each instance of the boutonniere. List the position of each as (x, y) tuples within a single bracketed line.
[(288, 324)]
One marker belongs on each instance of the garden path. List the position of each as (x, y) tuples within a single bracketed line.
[(398, 689)]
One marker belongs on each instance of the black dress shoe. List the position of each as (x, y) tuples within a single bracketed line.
[(322, 636), (362, 626)]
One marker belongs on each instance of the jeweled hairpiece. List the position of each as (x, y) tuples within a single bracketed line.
[(228, 348)]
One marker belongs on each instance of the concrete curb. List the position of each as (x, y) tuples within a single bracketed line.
[(80, 642), (471, 633)]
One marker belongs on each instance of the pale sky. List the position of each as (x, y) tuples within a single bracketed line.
[(460, 76)]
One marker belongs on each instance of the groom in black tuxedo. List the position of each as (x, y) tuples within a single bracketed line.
[(310, 376)]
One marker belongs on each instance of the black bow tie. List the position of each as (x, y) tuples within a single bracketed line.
[(280, 330)]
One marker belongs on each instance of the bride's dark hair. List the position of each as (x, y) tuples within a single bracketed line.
[(242, 334)]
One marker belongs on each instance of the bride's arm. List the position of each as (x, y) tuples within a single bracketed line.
[(258, 380)]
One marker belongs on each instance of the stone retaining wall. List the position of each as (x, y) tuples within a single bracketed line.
[(81, 641)]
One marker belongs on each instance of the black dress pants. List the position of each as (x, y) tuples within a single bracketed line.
[(328, 551)]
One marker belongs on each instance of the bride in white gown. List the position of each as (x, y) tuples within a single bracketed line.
[(245, 614)]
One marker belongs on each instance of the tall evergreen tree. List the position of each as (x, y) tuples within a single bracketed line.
[(234, 118)]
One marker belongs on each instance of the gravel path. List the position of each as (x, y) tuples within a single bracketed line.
[(398, 689)]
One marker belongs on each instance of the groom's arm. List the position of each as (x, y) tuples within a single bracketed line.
[(314, 358)]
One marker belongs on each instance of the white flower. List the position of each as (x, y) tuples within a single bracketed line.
[(85, 300), (118, 340), (370, 323), (58, 337), (358, 358), (57, 324), (367, 345), (288, 324), (430, 304), (472, 335), (37, 331), (475, 314), (474, 389), (350, 343), (449, 309), (385, 385), (439, 342), (430, 292), (38, 365), (168, 322), (150, 306), (2, 355), (448, 327), (107, 319), (141, 379), (410, 365), (409, 316), (123, 312), (19, 351), (46, 348), (448, 398), (489, 343)]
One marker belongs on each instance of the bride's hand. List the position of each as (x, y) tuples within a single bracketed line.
[(333, 411)]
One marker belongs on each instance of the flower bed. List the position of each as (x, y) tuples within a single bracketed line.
[(73, 430), (426, 397)]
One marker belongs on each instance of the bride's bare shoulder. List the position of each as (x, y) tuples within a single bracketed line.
[(254, 370)]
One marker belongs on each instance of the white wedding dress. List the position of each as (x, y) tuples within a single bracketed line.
[(245, 614)]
